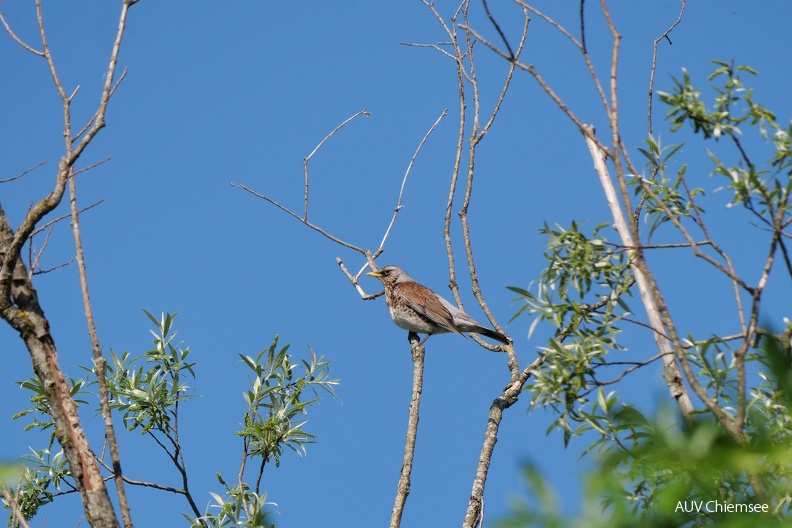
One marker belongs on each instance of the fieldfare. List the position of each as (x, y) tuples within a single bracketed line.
[(416, 308)]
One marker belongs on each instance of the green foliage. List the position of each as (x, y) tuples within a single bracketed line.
[(648, 466), (41, 473), (239, 508), (39, 409), (664, 196), (685, 104), (271, 422), (147, 391), (764, 189), (715, 360), (148, 394), (580, 294), (652, 472)]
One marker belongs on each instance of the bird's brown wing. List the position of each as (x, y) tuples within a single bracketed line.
[(425, 302)]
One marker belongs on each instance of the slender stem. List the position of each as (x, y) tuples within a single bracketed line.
[(654, 64), (399, 205), (16, 514), (100, 362), (314, 151), (403, 488)]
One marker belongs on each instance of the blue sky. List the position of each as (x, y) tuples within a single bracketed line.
[(221, 92)]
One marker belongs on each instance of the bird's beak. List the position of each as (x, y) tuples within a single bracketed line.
[(374, 274)]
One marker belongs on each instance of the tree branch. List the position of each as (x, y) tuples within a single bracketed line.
[(654, 63), (403, 488), (309, 156)]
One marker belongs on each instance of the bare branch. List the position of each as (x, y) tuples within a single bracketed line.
[(33, 264), (581, 45), (31, 169), (355, 278), (506, 399), (100, 363), (304, 218), (19, 304), (433, 46), (726, 270), (545, 86), (17, 39), (475, 139), (654, 62), (635, 366), (48, 270), (62, 217), (142, 483), (404, 182), (298, 217), (658, 246), (403, 488), (308, 158), (497, 28)]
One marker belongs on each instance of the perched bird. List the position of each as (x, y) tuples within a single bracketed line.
[(416, 308)]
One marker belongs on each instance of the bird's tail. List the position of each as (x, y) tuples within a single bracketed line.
[(492, 334)]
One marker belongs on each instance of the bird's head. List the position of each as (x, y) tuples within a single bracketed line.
[(390, 274)]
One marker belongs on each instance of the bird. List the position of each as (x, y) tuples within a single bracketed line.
[(418, 309)]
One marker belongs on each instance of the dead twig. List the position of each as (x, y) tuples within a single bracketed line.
[(22, 175), (399, 204), (314, 151), (654, 63)]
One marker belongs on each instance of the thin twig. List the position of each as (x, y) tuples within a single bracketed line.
[(100, 362), (497, 28), (658, 246), (31, 169), (298, 217), (476, 136), (32, 265), (544, 85), (60, 218), (726, 270), (433, 46), (19, 41), (354, 280), (142, 483), (635, 366), (654, 62), (309, 156), (48, 270), (404, 182), (580, 45)]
